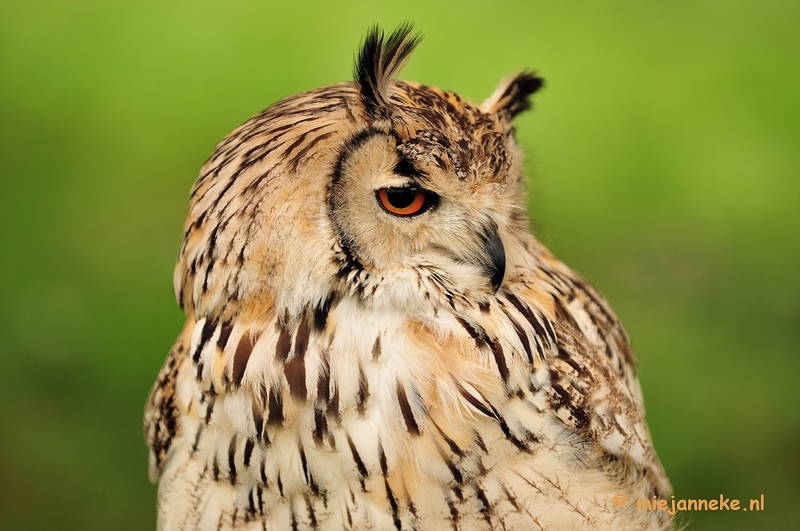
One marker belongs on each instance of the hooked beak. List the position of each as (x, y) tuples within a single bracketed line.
[(494, 262)]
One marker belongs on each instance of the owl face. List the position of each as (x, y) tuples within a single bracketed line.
[(407, 223), (401, 194)]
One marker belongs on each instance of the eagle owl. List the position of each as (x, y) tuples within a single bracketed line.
[(375, 340)]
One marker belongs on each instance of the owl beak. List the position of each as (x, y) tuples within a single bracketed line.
[(495, 256)]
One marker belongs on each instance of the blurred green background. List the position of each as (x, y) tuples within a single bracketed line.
[(664, 158)]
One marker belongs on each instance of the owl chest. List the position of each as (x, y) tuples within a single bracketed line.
[(329, 457), (323, 415), (365, 419)]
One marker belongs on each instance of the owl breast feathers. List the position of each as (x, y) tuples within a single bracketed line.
[(374, 339)]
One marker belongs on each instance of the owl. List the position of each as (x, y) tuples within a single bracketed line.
[(374, 339)]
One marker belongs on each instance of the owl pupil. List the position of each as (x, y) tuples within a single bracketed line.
[(401, 197)]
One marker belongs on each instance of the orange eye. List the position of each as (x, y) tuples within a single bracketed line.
[(402, 201)]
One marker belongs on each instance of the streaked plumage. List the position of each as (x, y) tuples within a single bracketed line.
[(345, 367)]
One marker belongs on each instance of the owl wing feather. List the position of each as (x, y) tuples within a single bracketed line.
[(593, 388)]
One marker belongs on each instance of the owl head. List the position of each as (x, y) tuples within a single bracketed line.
[(394, 194)]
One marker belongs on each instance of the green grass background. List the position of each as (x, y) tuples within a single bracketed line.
[(664, 162)]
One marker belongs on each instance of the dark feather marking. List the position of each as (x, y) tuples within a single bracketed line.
[(393, 505), (490, 411), (210, 407), (251, 506), (500, 359), (248, 450), (389, 493), (263, 150), (579, 369), (482, 340), (510, 436), (295, 162), (560, 283), (477, 333), (382, 460), (301, 339), (221, 195), (363, 391), (477, 404), (455, 471), (486, 509), (295, 371), (454, 516), (303, 462), (197, 439), (283, 345), (258, 420), (479, 441), (510, 497), (349, 516), (198, 499), (450, 442), (260, 492), (315, 490), (215, 468), (321, 314), (523, 337), (324, 382), (530, 317), (232, 460), (333, 406), (564, 315), (264, 480), (588, 291), (205, 335), (357, 458), (405, 409), (405, 167), (311, 514), (560, 397), (166, 426), (550, 329), (300, 140), (224, 334), (320, 426), (241, 357), (211, 252), (538, 343), (275, 133), (275, 415), (376, 348)]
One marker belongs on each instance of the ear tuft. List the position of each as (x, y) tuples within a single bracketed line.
[(512, 97), (379, 62)]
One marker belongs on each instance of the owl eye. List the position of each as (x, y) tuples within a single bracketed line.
[(404, 201)]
